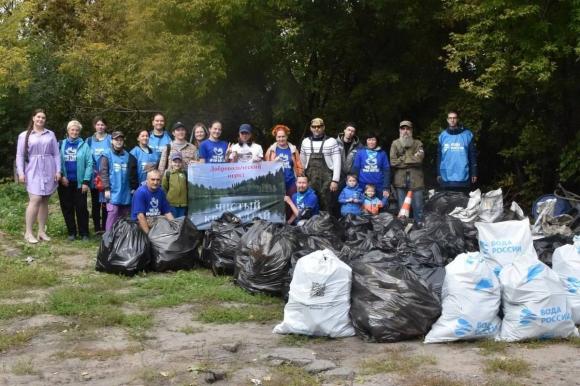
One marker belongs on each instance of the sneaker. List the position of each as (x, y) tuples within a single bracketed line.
[(71, 238)]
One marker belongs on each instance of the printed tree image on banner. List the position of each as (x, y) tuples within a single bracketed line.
[(247, 190)]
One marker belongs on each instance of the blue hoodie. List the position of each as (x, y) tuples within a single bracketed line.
[(305, 200), (372, 167), (350, 207)]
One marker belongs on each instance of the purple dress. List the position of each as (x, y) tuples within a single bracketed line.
[(43, 162)]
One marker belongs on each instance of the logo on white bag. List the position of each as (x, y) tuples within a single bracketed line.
[(554, 315), (485, 328), (534, 271), (572, 285), (527, 317), (463, 327), (498, 247), (317, 289), (484, 284)]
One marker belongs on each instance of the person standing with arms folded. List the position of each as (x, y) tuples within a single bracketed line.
[(406, 160), (371, 164), (77, 171), (456, 157), (38, 166), (146, 158), (213, 149), (158, 137), (178, 145), (321, 158), (99, 142), (118, 171)]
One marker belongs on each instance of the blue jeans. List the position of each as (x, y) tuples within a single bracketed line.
[(416, 202), (178, 211)]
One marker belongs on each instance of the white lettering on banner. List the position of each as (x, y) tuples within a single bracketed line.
[(232, 206)]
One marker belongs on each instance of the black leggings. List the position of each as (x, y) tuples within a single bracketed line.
[(98, 211), (73, 203)]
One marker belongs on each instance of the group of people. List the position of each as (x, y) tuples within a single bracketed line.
[(151, 179)]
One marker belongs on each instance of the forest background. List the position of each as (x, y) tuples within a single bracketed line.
[(511, 68)]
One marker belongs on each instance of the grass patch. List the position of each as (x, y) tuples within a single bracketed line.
[(14, 199), (24, 367), (512, 366), (9, 311), (296, 340), (17, 274), (574, 341), (292, 376), (503, 382), (246, 313), (198, 286), (190, 330), (490, 346), (395, 362), (14, 340)]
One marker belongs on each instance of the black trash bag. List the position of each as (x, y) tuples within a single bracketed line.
[(445, 202), (439, 241), (384, 221), (324, 225), (263, 262), (355, 225), (432, 275), (174, 244), (545, 247), (390, 304), (222, 243), (125, 249)]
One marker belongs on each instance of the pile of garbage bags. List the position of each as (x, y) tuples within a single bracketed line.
[(169, 246)]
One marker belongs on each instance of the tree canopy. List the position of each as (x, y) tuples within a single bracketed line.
[(510, 67)]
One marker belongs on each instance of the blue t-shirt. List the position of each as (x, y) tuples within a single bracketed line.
[(149, 203), (70, 158), (305, 200), (213, 151), (285, 155)]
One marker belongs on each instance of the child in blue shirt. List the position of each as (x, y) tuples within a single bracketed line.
[(351, 197)]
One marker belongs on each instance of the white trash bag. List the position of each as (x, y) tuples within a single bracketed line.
[(502, 242), (319, 299), (491, 206), (535, 303), (566, 263), (471, 300)]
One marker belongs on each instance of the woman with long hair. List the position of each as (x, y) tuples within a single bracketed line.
[(199, 133), (38, 166), (99, 143)]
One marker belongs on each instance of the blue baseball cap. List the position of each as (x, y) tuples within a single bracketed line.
[(245, 128)]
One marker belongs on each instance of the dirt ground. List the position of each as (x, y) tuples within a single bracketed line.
[(180, 350)]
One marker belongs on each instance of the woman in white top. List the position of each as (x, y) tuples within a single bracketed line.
[(246, 150)]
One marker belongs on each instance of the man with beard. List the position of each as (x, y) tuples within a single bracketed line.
[(456, 157), (406, 160)]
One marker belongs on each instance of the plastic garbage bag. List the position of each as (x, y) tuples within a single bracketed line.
[(263, 261), (390, 303), (355, 225), (535, 304), (445, 202), (471, 211), (222, 243), (514, 212), (174, 244), (319, 300), (566, 263), (439, 241), (491, 206), (326, 226), (546, 245), (501, 242), (125, 249), (471, 300)]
